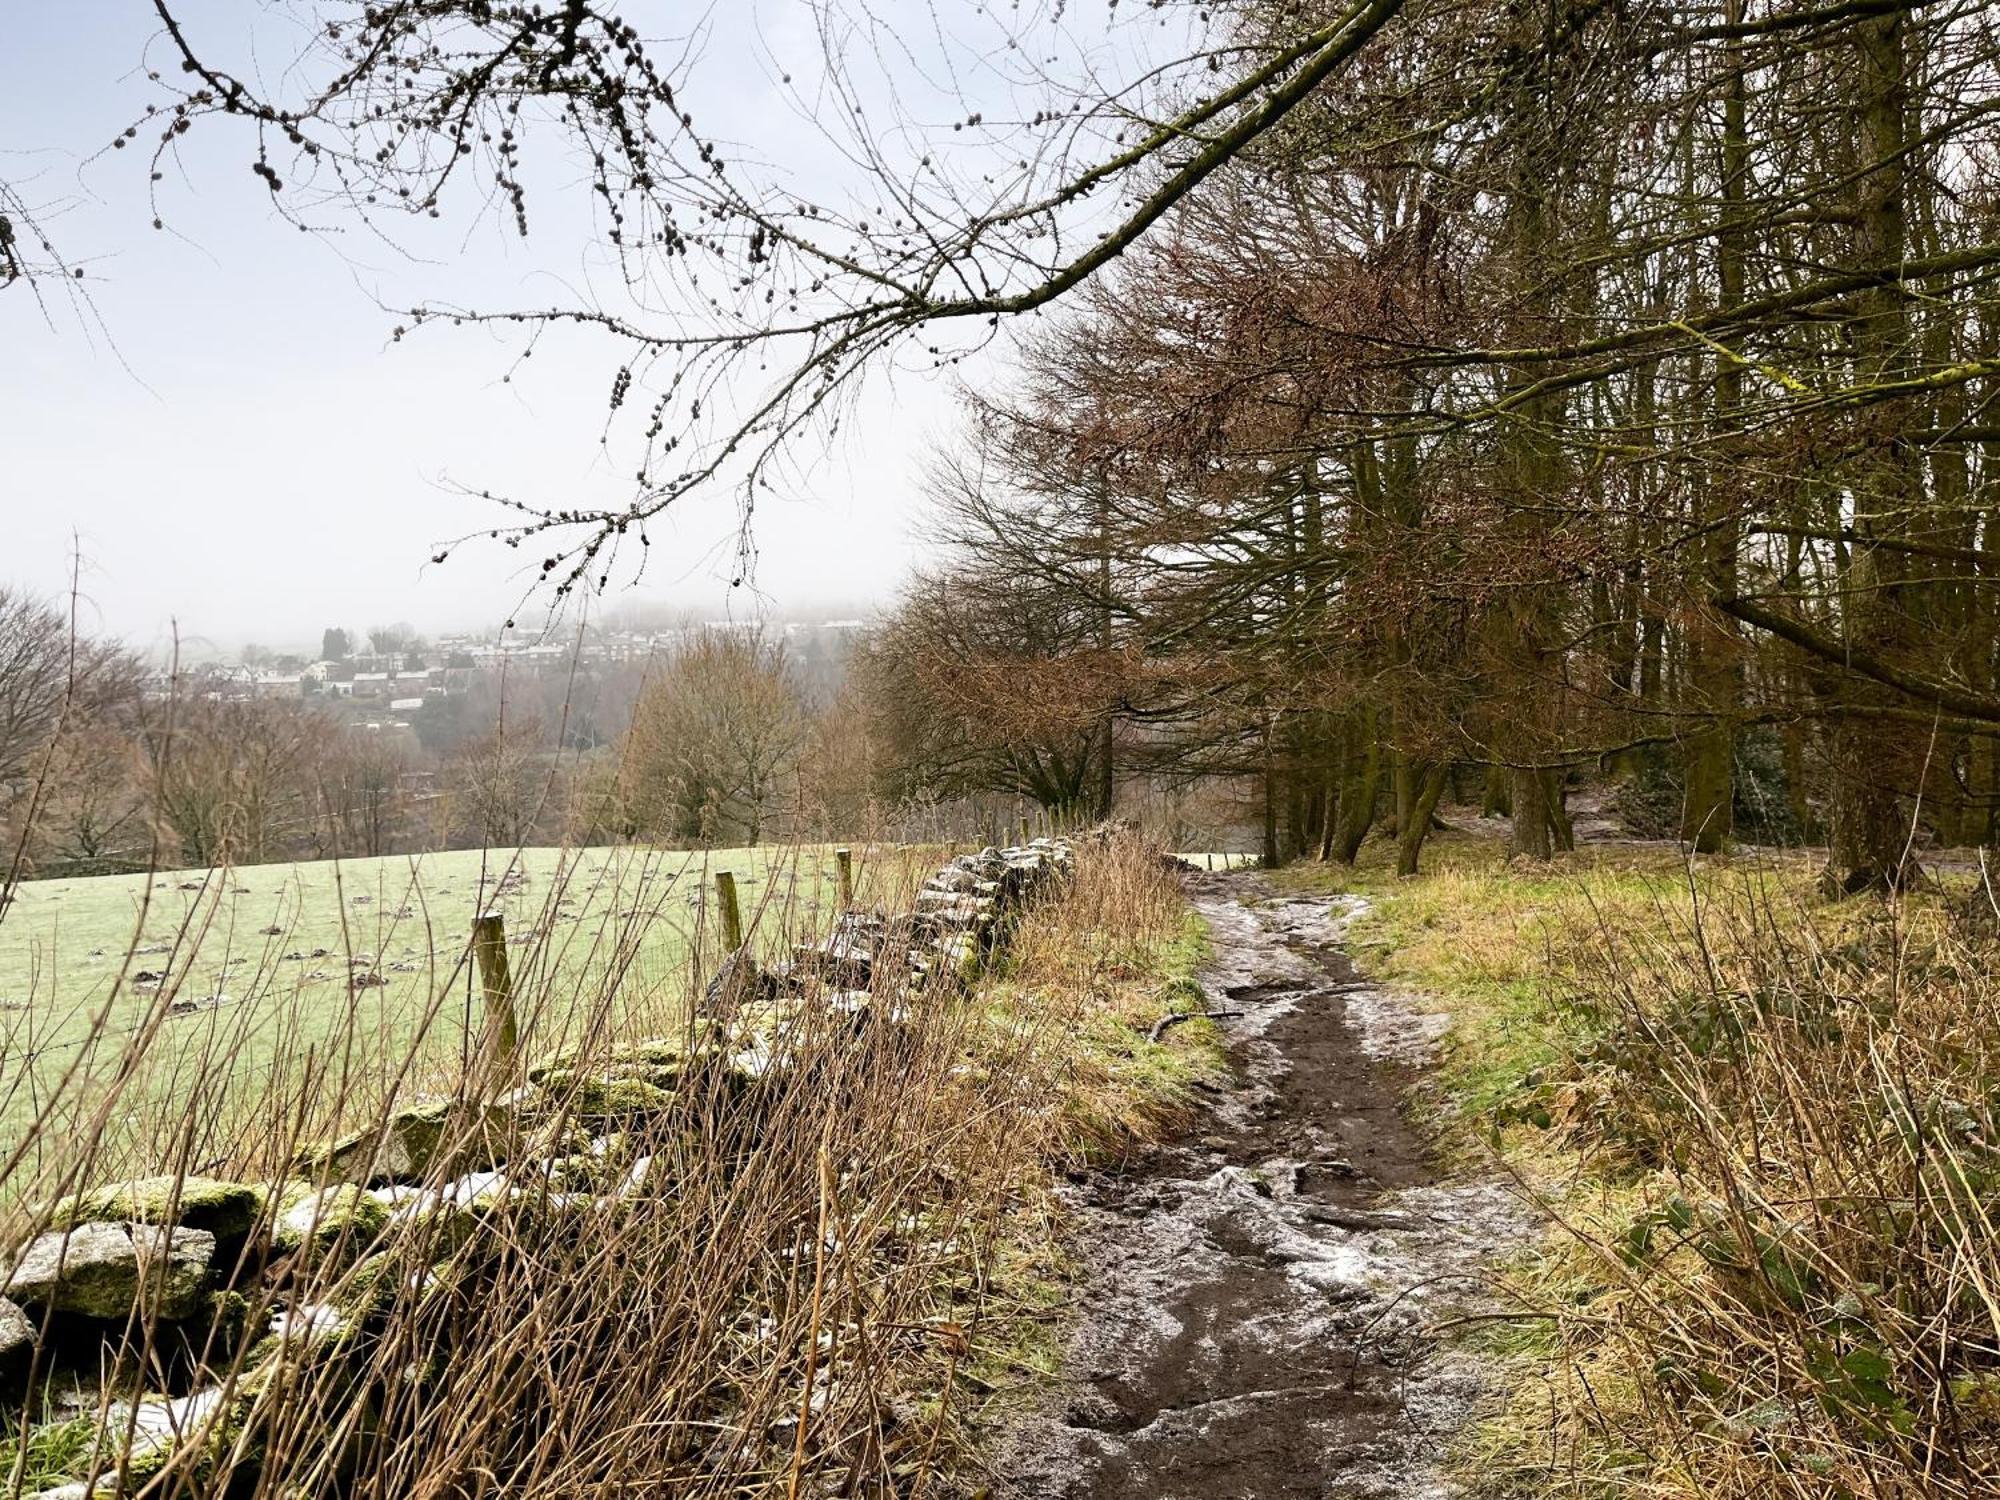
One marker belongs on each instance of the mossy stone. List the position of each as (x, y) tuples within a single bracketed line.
[(658, 1060), (17, 1340), (415, 1139), (325, 1219), (580, 1173), (219, 1325), (227, 1210), (101, 1270), (600, 1097), (369, 1289)]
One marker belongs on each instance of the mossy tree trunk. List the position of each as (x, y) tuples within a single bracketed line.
[(1360, 785), (1429, 786), (1875, 769)]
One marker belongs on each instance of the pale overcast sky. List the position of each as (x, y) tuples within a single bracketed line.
[(230, 438)]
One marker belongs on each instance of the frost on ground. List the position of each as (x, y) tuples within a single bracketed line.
[(1256, 1320)]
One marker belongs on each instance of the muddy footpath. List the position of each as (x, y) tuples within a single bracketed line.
[(1258, 1314)]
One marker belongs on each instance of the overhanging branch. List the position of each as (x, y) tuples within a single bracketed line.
[(1857, 659)]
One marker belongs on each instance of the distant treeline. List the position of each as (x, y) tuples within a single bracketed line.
[(725, 736)]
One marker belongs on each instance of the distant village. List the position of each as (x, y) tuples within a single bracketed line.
[(384, 678), (386, 741)]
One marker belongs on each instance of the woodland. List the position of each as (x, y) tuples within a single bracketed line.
[(1385, 394)]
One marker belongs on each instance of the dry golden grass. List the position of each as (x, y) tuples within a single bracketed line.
[(1768, 1131)]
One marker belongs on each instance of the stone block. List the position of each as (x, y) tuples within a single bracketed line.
[(104, 1270)]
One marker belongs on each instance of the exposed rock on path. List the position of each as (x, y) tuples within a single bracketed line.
[(1254, 1321)]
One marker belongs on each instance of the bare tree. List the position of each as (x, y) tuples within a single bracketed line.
[(748, 304), (1645, 338), (397, 640), (48, 670), (840, 766), (987, 680), (501, 782), (94, 810), (358, 779), (715, 740), (226, 776)]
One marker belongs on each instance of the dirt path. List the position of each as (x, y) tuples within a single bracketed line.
[(1252, 1323)]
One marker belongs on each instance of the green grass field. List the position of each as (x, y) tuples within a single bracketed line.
[(226, 988)]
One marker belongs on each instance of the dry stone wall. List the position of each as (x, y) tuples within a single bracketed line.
[(210, 1260)]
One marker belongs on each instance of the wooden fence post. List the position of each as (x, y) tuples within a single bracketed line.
[(732, 916), (843, 860), (489, 949)]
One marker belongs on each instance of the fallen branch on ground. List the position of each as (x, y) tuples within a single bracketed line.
[(1175, 1017)]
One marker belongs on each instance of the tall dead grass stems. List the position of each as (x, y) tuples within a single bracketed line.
[(817, 1279), (1769, 1128)]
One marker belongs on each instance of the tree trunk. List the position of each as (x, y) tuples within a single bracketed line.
[(1405, 780), (1360, 787), (1877, 765), (1714, 664), (1540, 827), (1417, 826), (1107, 774), (1527, 632), (1270, 852)]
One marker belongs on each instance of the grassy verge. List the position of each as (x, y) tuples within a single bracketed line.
[(1767, 1130)]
